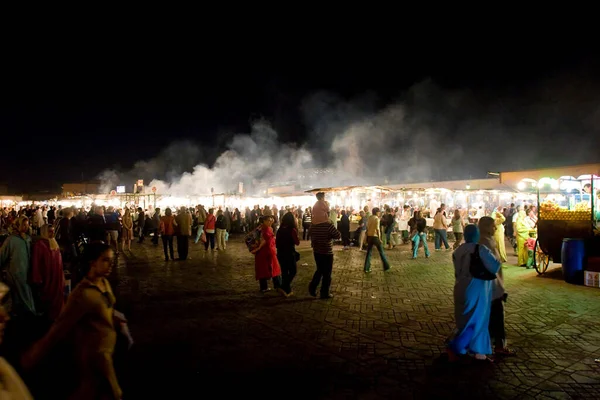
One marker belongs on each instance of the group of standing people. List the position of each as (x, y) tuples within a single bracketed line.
[(479, 301), (80, 333), (276, 256)]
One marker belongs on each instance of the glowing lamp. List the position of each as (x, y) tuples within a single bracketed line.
[(553, 183)]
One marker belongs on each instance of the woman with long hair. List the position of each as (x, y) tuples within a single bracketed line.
[(286, 242), (458, 227), (89, 320), (127, 233)]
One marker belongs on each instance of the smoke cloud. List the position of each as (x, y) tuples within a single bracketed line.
[(426, 134)]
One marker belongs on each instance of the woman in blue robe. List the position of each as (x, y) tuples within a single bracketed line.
[(472, 300)]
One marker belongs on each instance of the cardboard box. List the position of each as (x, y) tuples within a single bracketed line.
[(593, 264), (591, 278)]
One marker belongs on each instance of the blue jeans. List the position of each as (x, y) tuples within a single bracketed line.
[(374, 241), (441, 235), (388, 234), (420, 237), (199, 233)]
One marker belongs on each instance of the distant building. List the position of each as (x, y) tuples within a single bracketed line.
[(44, 196), (76, 189)]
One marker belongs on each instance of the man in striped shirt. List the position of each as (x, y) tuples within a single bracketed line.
[(321, 236)]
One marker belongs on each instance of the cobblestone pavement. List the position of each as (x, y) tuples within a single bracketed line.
[(203, 329)]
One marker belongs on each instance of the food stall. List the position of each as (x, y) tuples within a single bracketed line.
[(355, 197), (474, 198), (567, 198)]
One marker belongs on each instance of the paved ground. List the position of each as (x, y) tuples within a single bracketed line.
[(203, 330)]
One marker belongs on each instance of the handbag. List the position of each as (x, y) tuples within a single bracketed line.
[(296, 256), (477, 269)]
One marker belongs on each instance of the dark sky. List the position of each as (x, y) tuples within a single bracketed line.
[(68, 115)]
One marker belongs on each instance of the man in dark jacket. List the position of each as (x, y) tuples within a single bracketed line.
[(141, 223)]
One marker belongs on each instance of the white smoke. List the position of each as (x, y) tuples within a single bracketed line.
[(427, 134), (255, 158)]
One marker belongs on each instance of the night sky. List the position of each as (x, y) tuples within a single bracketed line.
[(66, 116)]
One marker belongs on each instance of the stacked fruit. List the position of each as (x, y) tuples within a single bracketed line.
[(549, 206), (566, 215), (583, 206)]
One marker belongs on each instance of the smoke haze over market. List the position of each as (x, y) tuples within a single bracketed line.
[(186, 126), (426, 133)]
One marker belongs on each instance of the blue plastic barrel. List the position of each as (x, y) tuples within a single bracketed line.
[(572, 254)]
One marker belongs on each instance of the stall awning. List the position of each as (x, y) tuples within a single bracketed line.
[(331, 189), (470, 184), (513, 178), (347, 188), (16, 199)]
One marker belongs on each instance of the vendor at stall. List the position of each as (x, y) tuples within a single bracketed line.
[(524, 226)]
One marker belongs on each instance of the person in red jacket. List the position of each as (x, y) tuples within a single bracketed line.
[(209, 229), (167, 230), (266, 264)]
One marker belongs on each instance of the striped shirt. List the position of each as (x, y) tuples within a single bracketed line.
[(321, 236)]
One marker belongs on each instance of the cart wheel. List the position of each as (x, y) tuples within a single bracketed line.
[(540, 259)]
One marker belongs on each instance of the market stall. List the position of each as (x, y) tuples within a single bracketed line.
[(355, 198), (567, 198), (10, 201), (470, 195)]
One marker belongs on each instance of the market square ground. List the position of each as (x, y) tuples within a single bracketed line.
[(203, 330)]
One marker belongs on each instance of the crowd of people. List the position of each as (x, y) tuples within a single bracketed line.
[(44, 249), (479, 292)]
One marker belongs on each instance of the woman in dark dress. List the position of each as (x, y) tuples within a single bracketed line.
[(344, 228), (286, 242)]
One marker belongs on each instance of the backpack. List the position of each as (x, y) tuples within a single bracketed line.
[(478, 269), (252, 239)]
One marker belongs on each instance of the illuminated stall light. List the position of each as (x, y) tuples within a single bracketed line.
[(552, 183), (569, 185), (526, 183)]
